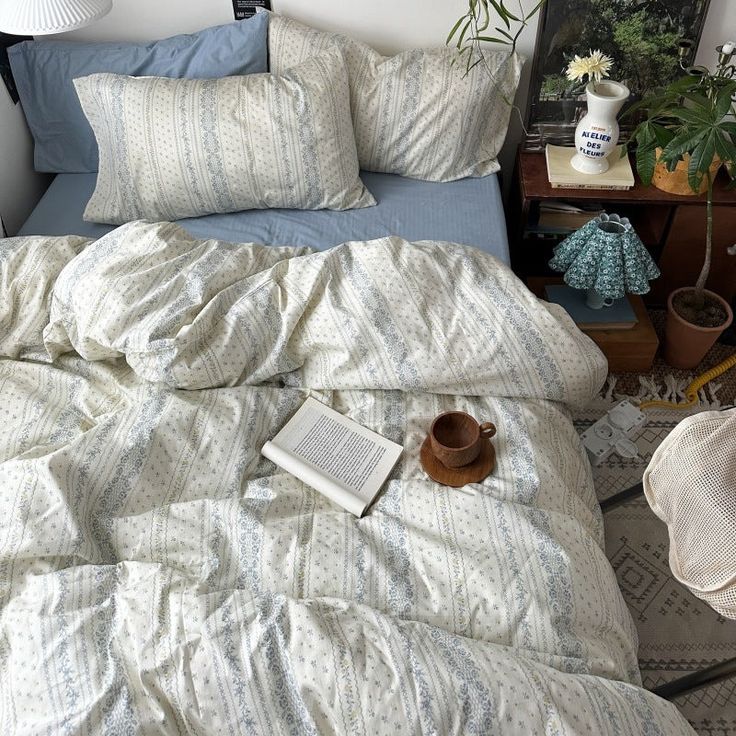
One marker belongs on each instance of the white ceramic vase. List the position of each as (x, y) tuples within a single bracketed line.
[(596, 135)]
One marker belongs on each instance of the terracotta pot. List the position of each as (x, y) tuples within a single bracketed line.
[(675, 182), (686, 344)]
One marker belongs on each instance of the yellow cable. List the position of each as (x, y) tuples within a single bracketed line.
[(691, 392)]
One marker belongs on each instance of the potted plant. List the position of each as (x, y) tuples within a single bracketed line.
[(476, 27), (688, 125)]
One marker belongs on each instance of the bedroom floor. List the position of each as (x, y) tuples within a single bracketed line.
[(678, 633)]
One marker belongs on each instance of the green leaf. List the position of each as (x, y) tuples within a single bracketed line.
[(473, 65), (489, 39), (685, 142), (462, 34), (507, 35), (689, 115), (508, 13), (454, 29), (723, 101), (700, 160), (534, 10), (646, 157), (698, 99), (482, 25), (662, 135), (501, 14), (725, 149)]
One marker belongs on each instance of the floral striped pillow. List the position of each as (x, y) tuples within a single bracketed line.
[(417, 113), (174, 148)]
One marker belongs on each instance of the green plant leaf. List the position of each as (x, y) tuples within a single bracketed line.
[(534, 10), (482, 25), (662, 135), (508, 13), (646, 158), (500, 12), (489, 39), (507, 35), (689, 115), (698, 99), (463, 33), (725, 148), (700, 160), (683, 143), (454, 29), (723, 101)]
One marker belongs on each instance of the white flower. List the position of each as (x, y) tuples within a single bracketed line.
[(595, 66)]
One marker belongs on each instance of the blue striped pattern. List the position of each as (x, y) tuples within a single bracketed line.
[(176, 148), (158, 575)]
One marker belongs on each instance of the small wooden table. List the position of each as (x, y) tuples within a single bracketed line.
[(671, 226), (631, 350)]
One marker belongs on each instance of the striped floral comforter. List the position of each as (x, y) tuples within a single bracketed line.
[(158, 576)]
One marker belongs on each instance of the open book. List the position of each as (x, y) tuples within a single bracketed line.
[(334, 455)]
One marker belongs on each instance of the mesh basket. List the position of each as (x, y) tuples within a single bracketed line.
[(690, 484)]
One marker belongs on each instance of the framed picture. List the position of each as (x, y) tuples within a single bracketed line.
[(641, 36)]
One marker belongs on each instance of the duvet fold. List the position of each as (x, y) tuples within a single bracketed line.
[(384, 314)]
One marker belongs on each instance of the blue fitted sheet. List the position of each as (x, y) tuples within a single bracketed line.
[(468, 211)]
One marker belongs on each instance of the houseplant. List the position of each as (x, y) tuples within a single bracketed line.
[(687, 123), (476, 27)]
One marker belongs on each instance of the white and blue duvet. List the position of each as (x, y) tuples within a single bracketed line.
[(159, 576)]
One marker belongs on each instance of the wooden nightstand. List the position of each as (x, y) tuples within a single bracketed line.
[(627, 350), (671, 226)]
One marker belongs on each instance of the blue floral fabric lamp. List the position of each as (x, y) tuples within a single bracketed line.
[(607, 260)]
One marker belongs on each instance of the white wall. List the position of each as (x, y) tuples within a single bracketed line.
[(720, 26), (388, 25)]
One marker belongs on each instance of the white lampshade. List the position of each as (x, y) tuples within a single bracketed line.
[(41, 17)]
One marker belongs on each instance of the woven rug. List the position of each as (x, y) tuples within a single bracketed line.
[(678, 633)]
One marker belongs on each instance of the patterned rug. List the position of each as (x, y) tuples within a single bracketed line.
[(678, 633)]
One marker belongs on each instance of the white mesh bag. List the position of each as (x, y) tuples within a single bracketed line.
[(690, 484)]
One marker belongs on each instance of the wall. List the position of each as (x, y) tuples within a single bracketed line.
[(720, 26), (388, 25)]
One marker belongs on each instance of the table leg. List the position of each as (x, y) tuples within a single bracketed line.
[(621, 497), (696, 680)]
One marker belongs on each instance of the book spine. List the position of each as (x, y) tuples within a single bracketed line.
[(607, 187)]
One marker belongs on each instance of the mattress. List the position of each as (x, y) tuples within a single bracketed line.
[(467, 211)]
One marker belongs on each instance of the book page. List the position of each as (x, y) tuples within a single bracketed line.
[(335, 450)]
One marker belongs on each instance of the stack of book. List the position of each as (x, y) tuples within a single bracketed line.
[(561, 174), (619, 316), (563, 218)]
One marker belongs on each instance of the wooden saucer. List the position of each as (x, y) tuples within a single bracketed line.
[(479, 469)]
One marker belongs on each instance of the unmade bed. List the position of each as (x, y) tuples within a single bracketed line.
[(161, 576)]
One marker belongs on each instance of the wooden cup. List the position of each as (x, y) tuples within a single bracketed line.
[(455, 438)]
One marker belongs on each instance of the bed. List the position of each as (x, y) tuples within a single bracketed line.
[(159, 575), (468, 211)]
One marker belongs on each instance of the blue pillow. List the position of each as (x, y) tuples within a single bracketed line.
[(44, 71)]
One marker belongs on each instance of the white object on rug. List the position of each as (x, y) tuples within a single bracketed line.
[(690, 484)]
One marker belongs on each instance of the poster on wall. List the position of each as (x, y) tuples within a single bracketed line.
[(641, 36), (6, 41), (248, 8)]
